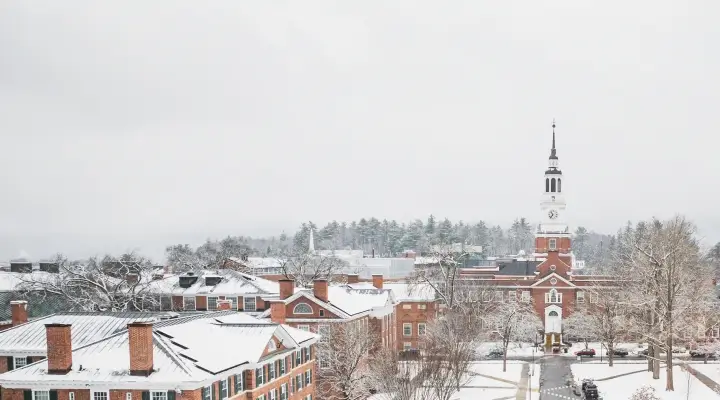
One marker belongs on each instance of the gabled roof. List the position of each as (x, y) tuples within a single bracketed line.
[(185, 356), (345, 301), (414, 292), (233, 283), (552, 275)]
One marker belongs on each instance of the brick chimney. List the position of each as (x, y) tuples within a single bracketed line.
[(277, 311), (224, 305), (18, 310), (353, 278), (287, 288), (320, 289), (141, 348), (59, 348), (377, 281)]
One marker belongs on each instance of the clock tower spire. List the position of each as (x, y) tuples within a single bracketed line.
[(553, 233)]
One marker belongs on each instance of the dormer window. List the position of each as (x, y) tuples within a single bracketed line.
[(553, 297), (302, 308)]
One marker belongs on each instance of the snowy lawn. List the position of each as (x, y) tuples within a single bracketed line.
[(712, 370), (622, 387), (514, 349)]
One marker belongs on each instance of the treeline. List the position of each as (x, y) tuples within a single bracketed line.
[(392, 238)]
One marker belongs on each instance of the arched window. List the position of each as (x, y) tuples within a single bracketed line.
[(547, 184), (552, 185), (302, 308), (553, 314), (559, 185)]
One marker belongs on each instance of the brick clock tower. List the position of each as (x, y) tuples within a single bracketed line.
[(552, 246), (553, 233)]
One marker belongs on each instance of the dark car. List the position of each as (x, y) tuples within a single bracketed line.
[(702, 354), (590, 390), (618, 352), (494, 353), (643, 352), (586, 352)]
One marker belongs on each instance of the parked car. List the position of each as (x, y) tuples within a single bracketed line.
[(643, 352), (586, 352), (494, 353), (619, 352), (702, 354), (589, 390)]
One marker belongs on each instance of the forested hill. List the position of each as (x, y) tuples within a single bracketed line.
[(391, 238)]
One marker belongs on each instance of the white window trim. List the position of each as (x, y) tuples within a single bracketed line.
[(245, 299), (422, 306), (558, 298), (194, 302), (424, 326), (41, 391), (305, 328), (406, 325), (525, 296), (15, 362), (208, 392), (107, 394), (552, 244), (71, 396), (407, 345), (295, 309), (161, 393), (580, 296)]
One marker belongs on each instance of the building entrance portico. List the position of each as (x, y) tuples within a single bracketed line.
[(553, 325)]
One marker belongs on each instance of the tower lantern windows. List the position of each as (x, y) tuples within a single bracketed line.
[(552, 185), (559, 185), (547, 184)]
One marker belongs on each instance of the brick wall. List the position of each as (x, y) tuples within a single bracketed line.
[(315, 308), (414, 315)]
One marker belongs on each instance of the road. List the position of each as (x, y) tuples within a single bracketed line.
[(554, 377)]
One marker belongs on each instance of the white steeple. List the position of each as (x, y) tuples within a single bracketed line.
[(552, 205), (311, 244)]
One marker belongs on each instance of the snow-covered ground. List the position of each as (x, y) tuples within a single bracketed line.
[(514, 349), (622, 387), (488, 381)]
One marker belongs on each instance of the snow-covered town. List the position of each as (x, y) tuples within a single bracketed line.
[(407, 200)]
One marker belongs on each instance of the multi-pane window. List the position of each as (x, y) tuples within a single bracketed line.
[(580, 297), (407, 345), (249, 304), (407, 307), (299, 382), (259, 377), (715, 332), (273, 394), (239, 383), (307, 354), (271, 372), (97, 396), (207, 393), (499, 295), (283, 392), (158, 395), (305, 328), (224, 394), (324, 332), (302, 308), (422, 306), (212, 303), (71, 396), (407, 329), (20, 362), (166, 303), (189, 303), (308, 377), (421, 328), (553, 297), (282, 367), (323, 363), (298, 359), (553, 244), (41, 395), (525, 296), (308, 397)]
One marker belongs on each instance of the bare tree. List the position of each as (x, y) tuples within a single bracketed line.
[(513, 321), (580, 325), (342, 356), (394, 378), (304, 267), (107, 283), (667, 279), (645, 393)]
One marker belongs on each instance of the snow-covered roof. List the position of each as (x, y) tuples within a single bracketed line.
[(10, 281), (183, 357), (411, 292), (233, 283), (346, 301), (30, 339), (257, 262)]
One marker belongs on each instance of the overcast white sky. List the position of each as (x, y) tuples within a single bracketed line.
[(137, 124)]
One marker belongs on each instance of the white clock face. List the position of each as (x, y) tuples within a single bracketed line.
[(553, 214)]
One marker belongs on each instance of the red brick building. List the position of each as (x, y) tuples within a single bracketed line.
[(546, 279), (233, 356)]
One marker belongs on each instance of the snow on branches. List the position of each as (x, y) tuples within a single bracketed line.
[(107, 283)]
